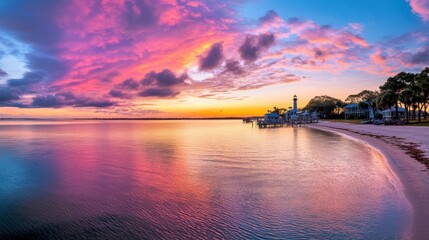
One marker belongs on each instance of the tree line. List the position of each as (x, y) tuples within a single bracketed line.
[(407, 90)]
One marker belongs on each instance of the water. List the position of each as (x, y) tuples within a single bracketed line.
[(193, 180)]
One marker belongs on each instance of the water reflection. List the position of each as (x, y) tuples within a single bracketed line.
[(190, 179)]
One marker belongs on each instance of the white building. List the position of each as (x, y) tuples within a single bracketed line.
[(353, 110), (293, 114), (390, 113), (272, 118)]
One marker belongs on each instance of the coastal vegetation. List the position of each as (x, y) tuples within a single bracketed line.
[(409, 90), (326, 106), (404, 90)]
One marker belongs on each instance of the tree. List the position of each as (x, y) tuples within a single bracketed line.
[(339, 106), (412, 90), (422, 80), (279, 111), (370, 99), (387, 99), (324, 105), (353, 98), (395, 85), (407, 98), (366, 99)]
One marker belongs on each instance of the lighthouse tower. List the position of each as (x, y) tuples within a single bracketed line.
[(295, 105)]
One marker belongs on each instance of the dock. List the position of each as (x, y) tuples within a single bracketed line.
[(282, 117), (261, 123)]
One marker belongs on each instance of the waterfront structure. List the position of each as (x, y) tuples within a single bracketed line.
[(390, 113), (272, 118), (353, 110), (295, 104), (292, 117), (293, 114)]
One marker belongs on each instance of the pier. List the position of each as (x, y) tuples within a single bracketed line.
[(280, 117), (261, 123)]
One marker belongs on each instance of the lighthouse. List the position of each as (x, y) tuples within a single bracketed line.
[(295, 105)]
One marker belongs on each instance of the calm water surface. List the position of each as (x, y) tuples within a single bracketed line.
[(191, 180)]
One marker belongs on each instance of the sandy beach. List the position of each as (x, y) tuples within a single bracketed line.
[(407, 151)]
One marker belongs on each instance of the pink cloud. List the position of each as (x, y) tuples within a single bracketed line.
[(421, 8), (110, 47), (309, 46), (356, 27), (378, 57), (271, 21), (104, 37), (327, 35)]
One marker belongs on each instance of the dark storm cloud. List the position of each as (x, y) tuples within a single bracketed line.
[(129, 83), (7, 94), (249, 51), (125, 89), (254, 45), (119, 94), (421, 57), (162, 84), (167, 78), (139, 14), (48, 101), (164, 78), (270, 16), (68, 99), (318, 54), (212, 58), (158, 92), (27, 79), (233, 66), (109, 77), (33, 23), (42, 68), (2, 73), (266, 40), (95, 103)]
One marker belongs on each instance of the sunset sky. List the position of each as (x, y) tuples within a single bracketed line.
[(178, 58)]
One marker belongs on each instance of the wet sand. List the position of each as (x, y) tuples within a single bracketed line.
[(407, 152)]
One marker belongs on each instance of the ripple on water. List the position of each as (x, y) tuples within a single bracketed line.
[(193, 180)]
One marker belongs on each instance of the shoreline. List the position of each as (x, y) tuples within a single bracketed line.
[(405, 154)]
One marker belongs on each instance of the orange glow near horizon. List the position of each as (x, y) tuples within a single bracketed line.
[(192, 58)]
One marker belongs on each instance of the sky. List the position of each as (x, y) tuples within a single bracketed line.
[(216, 58)]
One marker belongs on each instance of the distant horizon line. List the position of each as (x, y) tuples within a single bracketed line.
[(152, 118)]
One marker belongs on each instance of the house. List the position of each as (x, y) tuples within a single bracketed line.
[(292, 115), (272, 118), (353, 110), (314, 116), (295, 115), (389, 114)]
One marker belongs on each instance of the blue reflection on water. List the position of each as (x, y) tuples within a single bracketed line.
[(21, 177), (187, 179)]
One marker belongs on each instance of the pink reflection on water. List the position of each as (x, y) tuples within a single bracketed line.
[(213, 177)]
